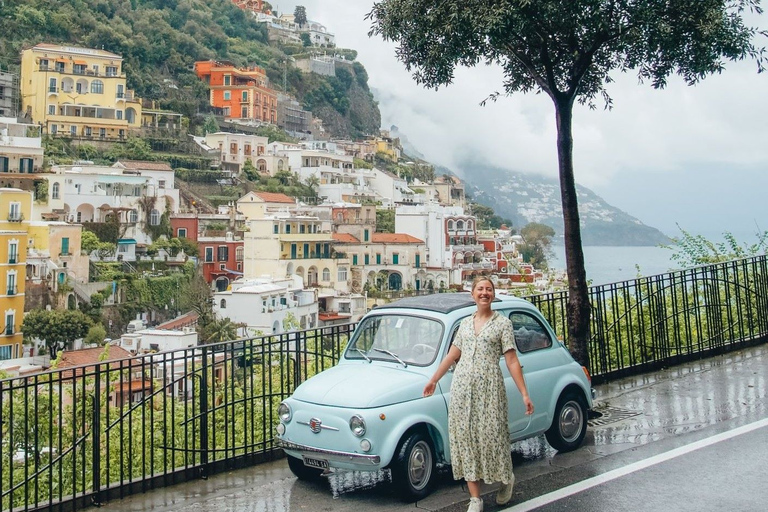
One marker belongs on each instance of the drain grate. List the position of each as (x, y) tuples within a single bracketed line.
[(603, 415)]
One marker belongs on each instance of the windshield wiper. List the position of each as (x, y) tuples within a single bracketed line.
[(391, 354), (362, 354)]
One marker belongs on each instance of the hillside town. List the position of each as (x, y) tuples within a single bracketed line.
[(272, 262)]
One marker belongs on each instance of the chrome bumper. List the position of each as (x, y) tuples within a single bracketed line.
[(330, 455)]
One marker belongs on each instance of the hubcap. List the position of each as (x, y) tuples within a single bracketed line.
[(570, 421), (420, 465)]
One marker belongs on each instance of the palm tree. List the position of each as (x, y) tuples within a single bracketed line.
[(221, 329)]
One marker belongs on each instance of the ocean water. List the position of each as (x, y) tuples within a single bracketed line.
[(606, 264)]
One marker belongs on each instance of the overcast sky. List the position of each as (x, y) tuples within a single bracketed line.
[(694, 156)]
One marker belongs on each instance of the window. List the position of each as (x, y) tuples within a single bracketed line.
[(73, 130), (342, 274), (65, 246), (226, 111), (239, 267), (223, 266), (239, 252), (223, 304), (54, 129), (9, 321), (450, 225), (51, 110), (395, 258), (418, 260), (88, 131), (326, 274), (244, 96), (275, 229), (52, 85), (5, 352), (13, 252), (227, 95), (111, 71), (459, 225), (25, 165), (154, 218), (102, 133), (133, 216), (209, 254), (59, 67), (161, 184), (223, 253), (119, 114), (120, 91), (78, 69), (378, 258), (181, 233), (354, 259), (287, 228), (79, 217), (227, 79), (4, 163), (97, 87), (14, 212), (530, 334), (244, 111), (367, 259), (366, 235), (11, 280)]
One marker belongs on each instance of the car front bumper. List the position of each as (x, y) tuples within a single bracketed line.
[(332, 456)]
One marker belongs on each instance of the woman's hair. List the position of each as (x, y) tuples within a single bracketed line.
[(480, 279)]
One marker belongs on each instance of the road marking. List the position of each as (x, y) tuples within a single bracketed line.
[(631, 468)]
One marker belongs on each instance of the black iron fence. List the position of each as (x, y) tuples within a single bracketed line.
[(78, 436)]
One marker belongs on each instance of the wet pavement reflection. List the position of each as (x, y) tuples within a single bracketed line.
[(636, 412)]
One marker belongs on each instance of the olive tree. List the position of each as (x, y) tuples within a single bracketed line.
[(568, 49)]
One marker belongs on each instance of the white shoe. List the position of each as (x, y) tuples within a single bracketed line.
[(475, 505), (504, 493)]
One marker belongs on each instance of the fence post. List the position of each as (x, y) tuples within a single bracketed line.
[(204, 417), (296, 360), (96, 433)]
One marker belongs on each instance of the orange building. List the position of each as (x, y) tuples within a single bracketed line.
[(241, 93)]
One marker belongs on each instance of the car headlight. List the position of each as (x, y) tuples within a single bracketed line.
[(284, 412), (357, 425)]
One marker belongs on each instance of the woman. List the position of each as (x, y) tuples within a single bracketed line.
[(477, 413)]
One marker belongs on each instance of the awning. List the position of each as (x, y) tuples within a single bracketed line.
[(126, 241), (80, 62), (235, 272)]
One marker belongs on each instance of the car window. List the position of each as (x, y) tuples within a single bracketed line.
[(530, 334), (412, 339)]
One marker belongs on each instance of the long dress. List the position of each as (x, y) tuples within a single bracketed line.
[(478, 429)]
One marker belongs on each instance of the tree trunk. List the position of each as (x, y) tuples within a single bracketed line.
[(578, 293)]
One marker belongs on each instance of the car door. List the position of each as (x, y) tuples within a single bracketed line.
[(540, 368)]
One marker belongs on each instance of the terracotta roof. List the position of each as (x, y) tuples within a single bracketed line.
[(395, 238), (345, 238), (133, 386), (272, 197), (89, 356), (326, 317), (143, 165), (180, 321)]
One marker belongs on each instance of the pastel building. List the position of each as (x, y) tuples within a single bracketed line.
[(21, 149), (78, 92), (240, 93), (15, 212)]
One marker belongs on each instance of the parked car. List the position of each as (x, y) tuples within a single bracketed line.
[(368, 412)]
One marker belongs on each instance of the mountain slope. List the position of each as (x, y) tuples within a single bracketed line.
[(525, 198)]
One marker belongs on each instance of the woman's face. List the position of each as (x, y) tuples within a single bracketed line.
[(483, 293)]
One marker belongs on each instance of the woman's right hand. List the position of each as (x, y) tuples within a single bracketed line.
[(429, 389)]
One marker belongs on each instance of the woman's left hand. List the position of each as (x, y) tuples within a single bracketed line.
[(528, 405)]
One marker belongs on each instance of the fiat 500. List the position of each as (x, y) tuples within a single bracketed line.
[(368, 412)]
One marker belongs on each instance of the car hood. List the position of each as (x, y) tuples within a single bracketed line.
[(361, 386)]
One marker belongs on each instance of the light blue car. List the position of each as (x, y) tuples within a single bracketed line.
[(368, 412)]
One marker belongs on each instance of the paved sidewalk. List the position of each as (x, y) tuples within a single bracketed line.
[(652, 412)]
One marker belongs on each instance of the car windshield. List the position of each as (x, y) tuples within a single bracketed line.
[(403, 339)]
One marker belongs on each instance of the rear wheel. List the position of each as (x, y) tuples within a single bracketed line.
[(570, 422), (413, 470), (301, 471)]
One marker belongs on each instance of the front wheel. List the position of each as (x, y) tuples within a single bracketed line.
[(302, 471), (570, 422), (413, 470)]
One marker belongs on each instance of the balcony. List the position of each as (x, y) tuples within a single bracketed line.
[(15, 217), (9, 330), (11, 290), (12, 259)]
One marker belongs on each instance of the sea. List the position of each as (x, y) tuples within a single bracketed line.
[(607, 264)]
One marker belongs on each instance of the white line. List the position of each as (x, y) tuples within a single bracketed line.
[(631, 468)]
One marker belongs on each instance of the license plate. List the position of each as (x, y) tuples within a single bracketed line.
[(316, 463)]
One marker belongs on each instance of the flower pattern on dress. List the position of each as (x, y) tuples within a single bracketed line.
[(478, 427)]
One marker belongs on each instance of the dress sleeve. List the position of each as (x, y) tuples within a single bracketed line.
[(507, 337), (458, 339)]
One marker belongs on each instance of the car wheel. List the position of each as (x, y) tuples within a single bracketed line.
[(413, 469), (569, 425), (301, 471)]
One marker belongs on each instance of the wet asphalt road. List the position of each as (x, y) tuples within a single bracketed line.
[(645, 417)]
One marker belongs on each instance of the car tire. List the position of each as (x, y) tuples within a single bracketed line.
[(414, 467), (569, 425), (302, 471)]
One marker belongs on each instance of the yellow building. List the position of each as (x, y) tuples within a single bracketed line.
[(78, 92), (15, 211)]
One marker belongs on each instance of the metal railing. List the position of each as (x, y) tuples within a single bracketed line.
[(79, 436), (666, 319), (83, 435)]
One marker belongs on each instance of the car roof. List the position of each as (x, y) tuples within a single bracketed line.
[(440, 302)]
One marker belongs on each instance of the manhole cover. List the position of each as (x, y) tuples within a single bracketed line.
[(609, 414)]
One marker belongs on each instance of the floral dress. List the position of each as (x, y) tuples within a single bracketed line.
[(478, 429)]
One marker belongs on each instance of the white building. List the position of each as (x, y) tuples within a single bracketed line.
[(21, 149), (139, 193), (393, 189), (237, 148), (268, 306), (158, 340)]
